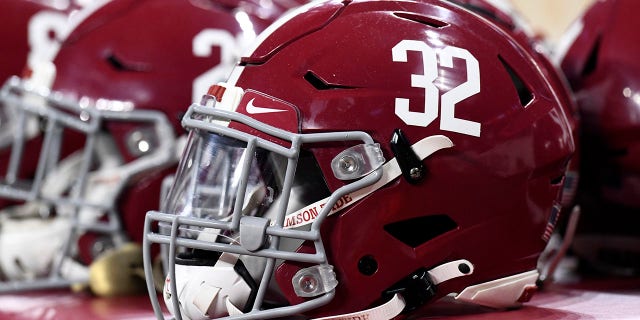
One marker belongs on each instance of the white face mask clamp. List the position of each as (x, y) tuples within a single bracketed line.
[(314, 281), (357, 161)]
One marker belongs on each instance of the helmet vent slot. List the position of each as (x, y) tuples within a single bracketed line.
[(321, 84), (524, 93), (422, 19), (592, 62), (416, 231), (119, 64)]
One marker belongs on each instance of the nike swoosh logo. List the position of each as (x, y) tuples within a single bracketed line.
[(251, 109)]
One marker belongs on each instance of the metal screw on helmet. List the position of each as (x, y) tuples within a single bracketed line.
[(308, 283), (348, 164), (415, 173), (140, 142)]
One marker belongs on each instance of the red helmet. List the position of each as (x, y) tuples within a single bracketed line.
[(98, 124), (599, 55), (284, 203)]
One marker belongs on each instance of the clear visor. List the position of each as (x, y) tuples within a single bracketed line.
[(219, 175), (207, 182), (240, 207)]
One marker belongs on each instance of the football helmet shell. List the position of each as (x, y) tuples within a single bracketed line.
[(420, 84)]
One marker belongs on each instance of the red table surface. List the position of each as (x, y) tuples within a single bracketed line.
[(592, 299)]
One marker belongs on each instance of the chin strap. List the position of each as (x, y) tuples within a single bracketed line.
[(385, 311), (232, 309)]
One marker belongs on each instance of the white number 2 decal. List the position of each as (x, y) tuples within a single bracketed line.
[(448, 121), (202, 44), (46, 30)]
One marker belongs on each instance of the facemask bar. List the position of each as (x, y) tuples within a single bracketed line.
[(60, 113), (213, 120)]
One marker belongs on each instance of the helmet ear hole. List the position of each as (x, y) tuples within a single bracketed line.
[(416, 231), (368, 265)]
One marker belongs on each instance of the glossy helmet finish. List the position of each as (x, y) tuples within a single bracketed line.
[(599, 54), (503, 14), (281, 205), (98, 124)]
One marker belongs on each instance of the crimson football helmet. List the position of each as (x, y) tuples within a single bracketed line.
[(383, 167), (96, 127), (599, 55)]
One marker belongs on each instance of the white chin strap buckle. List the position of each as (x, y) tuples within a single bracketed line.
[(507, 292)]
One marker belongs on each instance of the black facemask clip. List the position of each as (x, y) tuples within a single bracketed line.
[(413, 170)]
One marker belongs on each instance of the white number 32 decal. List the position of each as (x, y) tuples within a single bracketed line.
[(448, 121)]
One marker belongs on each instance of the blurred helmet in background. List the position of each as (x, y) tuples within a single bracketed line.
[(599, 55), (94, 130)]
